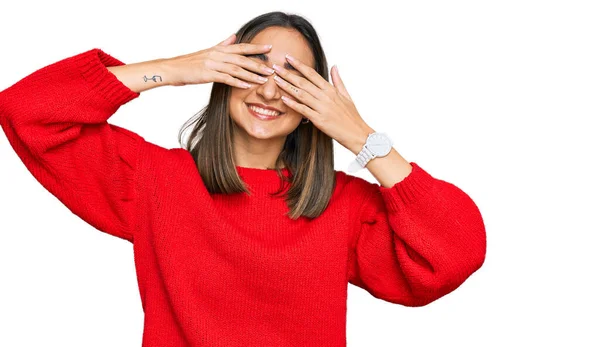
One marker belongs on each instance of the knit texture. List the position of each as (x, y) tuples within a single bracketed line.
[(233, 270)]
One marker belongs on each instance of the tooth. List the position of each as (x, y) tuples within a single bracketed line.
[(264, 112)]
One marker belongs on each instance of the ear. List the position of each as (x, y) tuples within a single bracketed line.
[(338, 83)]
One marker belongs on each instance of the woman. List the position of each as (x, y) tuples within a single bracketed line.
[(247, 236)]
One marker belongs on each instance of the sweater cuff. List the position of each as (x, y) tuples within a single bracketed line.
[(416, 185), (92, 64)]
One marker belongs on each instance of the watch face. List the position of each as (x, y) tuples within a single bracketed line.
[(379, 144)]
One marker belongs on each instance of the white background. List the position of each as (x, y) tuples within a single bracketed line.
[(497, 97)]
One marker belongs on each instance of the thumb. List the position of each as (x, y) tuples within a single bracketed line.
[(227, 41)]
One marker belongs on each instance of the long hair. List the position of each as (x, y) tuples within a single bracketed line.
[(307, 152)]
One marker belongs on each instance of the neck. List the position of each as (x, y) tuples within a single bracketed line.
[(257, 153)]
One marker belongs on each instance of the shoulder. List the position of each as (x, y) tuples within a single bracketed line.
[(162, 156), (158, 164), (354, 188), (356, 183)]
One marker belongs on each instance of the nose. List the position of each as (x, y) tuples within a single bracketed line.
[(269, 90)]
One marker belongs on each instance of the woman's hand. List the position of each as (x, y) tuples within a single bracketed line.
[(329, 107), (223, 63)]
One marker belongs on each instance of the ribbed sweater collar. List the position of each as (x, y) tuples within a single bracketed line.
[(261, 181)]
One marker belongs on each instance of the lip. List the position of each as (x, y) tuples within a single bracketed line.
[(265, 107), (262, 116)]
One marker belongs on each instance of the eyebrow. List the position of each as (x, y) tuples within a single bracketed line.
[(264, 57)]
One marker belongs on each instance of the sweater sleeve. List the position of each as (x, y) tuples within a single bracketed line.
[(55, 119), (415, 241)]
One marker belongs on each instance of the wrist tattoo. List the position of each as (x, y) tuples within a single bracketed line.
[(152, 78)]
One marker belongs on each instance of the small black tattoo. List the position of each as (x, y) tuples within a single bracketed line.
[(152, 78)]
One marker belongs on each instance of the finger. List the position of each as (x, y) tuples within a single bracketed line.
[(227, 41), (300, 108), (236, 71), (247, 63), (308, 72), (293, 82), (338, 83), (246, 48), (229, 80), (299, 94)]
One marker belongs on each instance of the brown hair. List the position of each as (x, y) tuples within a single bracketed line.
[(307, 152)]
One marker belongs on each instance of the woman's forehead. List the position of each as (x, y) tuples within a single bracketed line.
[(284, 41)]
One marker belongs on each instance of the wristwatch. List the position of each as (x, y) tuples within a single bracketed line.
[(377, 145)]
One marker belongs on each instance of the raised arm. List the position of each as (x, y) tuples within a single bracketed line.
[(415, 241), (56, 121)]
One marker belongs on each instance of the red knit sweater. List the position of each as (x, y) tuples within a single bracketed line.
[(219, 270)]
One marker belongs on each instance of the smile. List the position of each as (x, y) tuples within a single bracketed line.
[(263, 114)]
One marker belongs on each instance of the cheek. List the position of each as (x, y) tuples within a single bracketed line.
[(236, 101), (235, 96)]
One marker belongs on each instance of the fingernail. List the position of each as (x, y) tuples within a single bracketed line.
[(268, 70)]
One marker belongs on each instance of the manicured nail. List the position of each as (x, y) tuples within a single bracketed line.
[(290, 58), (268, 70)]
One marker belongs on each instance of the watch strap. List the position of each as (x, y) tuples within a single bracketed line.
[(361, 160), (354, 166)]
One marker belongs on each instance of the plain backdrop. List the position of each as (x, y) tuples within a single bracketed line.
[(497, 97)]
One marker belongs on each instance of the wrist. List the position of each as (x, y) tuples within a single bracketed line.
[(360, 140), (167, 72), (141, 76)]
